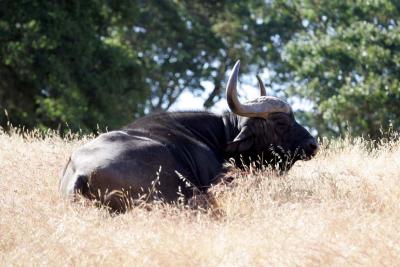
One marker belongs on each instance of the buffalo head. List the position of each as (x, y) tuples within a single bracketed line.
[(267, 130)]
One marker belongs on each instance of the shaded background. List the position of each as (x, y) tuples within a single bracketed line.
[(96, 63)]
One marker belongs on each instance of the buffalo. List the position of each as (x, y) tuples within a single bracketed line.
[(162, 153)]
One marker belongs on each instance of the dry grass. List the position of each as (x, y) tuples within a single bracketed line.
[(342, 208)]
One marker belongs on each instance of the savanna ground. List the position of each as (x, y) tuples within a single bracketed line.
[(340, 209)]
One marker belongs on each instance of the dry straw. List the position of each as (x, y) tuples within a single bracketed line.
[(339, 209)]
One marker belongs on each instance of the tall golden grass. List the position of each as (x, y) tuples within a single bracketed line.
[(341, 208)]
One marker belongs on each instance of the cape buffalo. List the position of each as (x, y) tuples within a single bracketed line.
[(156, 151)]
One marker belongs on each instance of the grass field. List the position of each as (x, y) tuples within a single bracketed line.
[(339, 209)]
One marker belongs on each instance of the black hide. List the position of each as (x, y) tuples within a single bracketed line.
[(190, 144)]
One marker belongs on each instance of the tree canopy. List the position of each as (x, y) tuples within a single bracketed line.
[(98, 63), (346, 61)]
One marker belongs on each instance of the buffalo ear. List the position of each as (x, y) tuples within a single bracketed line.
[(242, 142)]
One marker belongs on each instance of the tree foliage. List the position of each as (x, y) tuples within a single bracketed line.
[(346, 61), (102, 62), (106, 62), (56, 69)]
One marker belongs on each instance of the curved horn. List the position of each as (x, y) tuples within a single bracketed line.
[(260, 107), (263, 92), (231, 92)]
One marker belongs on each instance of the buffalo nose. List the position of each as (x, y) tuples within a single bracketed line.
[(312, 144)]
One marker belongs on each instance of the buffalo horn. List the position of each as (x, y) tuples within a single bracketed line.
[(261, 107), (263, 92)]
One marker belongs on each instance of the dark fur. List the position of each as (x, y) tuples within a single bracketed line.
[(193, 144)]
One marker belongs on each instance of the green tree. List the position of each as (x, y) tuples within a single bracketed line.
[(84, 63), (105, 62), (182, 43), (179, 44), (55, 67), (346, 61)]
